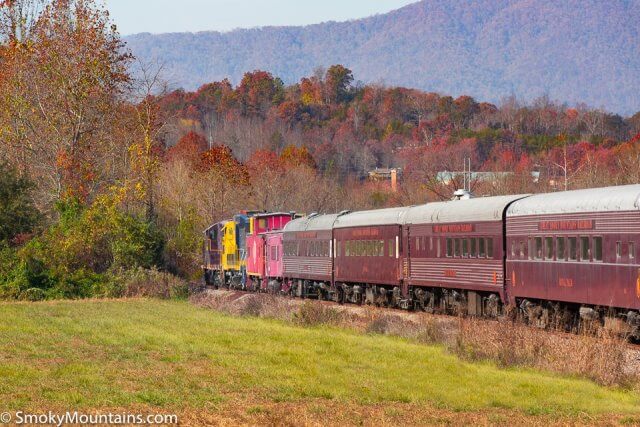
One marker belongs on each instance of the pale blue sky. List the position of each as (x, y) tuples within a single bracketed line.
[(162, 16)]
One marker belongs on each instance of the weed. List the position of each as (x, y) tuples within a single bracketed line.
[(312, 314)]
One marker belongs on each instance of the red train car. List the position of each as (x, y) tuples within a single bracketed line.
[(261, 225), (575, 252), (308, 255), (274, 256), (456, 255), (369, 255)]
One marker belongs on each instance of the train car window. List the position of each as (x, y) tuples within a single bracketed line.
[(531, 248), (489, 248), (632, 250), (391, 248), (449, 248), (597, 248), (381, 248), (430, 243), (522, 246), (456, 247), (465, 247), (584, 248), (438, 247), (538, 248), (573, 248), (560, 249), (618, 250), (417, 244), (513, 249), (474, 248), (481, 248), (548, 248)]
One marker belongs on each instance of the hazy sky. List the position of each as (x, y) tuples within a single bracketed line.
[(161, 16)]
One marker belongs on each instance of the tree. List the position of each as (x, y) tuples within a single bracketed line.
[(189, 148), (258, 91), (338, 84), (63, 87), (17, 212)]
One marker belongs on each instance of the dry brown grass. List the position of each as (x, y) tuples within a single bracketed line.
[(598, 355), (319, 412)]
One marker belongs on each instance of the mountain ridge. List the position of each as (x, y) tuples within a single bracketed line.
[(574, 51)]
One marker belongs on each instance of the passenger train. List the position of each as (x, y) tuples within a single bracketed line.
[(566, 255)]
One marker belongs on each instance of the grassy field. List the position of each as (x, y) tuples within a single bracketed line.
[(173, 357)]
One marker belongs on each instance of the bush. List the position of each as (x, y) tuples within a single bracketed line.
[(311, 314), (142, 282), (32, 294)]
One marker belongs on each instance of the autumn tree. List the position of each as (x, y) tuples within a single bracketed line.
[(338, 84), (62, 88), (258, 91), (189, 148)]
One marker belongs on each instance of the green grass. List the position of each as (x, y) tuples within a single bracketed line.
[(172, 355)]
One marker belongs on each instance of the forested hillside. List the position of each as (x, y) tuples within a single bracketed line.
[(574, 51)]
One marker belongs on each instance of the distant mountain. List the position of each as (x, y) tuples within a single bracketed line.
[(571, 50)]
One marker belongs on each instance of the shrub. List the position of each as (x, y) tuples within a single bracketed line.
[(311, 314), (32, 294), (142, 282)]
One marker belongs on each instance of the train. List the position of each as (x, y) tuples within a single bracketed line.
[(566, 256)]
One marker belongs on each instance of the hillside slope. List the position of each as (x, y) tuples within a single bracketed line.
[(149, 356), (575, 51)]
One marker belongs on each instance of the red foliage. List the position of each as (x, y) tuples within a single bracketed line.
[(189, 148)]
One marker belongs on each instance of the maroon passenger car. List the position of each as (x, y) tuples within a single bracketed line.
[(308, 254), (368, 256), (456, 254), (575, 251)]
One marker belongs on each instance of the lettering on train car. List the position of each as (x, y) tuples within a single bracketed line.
[(453, 228), (565, 282), (449, 273), (365, 232), (584, 224), (307, 235)]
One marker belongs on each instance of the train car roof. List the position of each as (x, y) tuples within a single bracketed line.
[(389, 216), (311, 223), (469, 210), (216, 224), (605, 199)]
